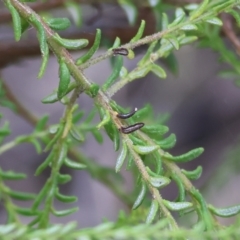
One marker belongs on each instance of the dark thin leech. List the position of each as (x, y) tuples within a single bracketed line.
[(126, 115), (132, 128), (120, 51)]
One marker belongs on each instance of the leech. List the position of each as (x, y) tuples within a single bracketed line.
[(120, 51), (132, 128), (127, 115)]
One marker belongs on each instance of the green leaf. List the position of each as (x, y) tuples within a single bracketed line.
[(177, 206), (115, 73), (106, 119), (215, 21), (21, 196), (236, 15), (168, 142), (92, 50), (195, 174), (164, 21), (76, 134), (64, 212), (139, 32), (58, 23), (121, 157), (173, 40), (75, 10), (10, 175), (64, 75), (72, 44), (181, 189), (160, 181), (123, 72), (41, 124), (45, 163), (152, 212), (74, 165), (16, 20), (64, 178), (199, 10), (41, 35), (189, 27), (64, 198), (187, 40), (145, 149), (140, 196), (97, 135), (158, 71), (146, 57), (52, 98), (225, 212), (116, 139), (155, 131), (26, 211), (184, 157)]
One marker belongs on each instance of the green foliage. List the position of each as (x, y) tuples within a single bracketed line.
[(139, 134)]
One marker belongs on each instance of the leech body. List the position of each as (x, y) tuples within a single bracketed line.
[(127, 115), (132, 128), (120, 51)]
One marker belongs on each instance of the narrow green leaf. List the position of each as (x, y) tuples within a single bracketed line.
[(116, 139), (64, 76), (139, 32), (41, 195), (225, 212), (26, 211), (123, 72), (173, 40), (158, 71), (97, 135), (21, 196), (199, 10), (74, 165), (168, 142), (136, 140), (10, 175), (195, 174), (140, 196), (115, 73), (92, 50), (76, 134), (181, 189), (160, 181), (164, 21), (41, 124), (64, 212), (236, 15), (72, 44), (55, 138), (64, 198), (106, 119), (121, 157), (146, 57), (37, 145), (75, 11), (17, 26), (155, 131), (215, 21), (152, 212), (145, 149), (189, 27), (41, 35), (185, 157), (52, 98), (58, 23), (64, 178), (45, 163), (177, 206), (187, 40)]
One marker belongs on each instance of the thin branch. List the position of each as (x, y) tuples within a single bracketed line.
[(229, 30)]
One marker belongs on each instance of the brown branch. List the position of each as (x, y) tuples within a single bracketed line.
[(229, 30)]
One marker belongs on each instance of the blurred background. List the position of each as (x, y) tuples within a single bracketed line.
[(204, 109)]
